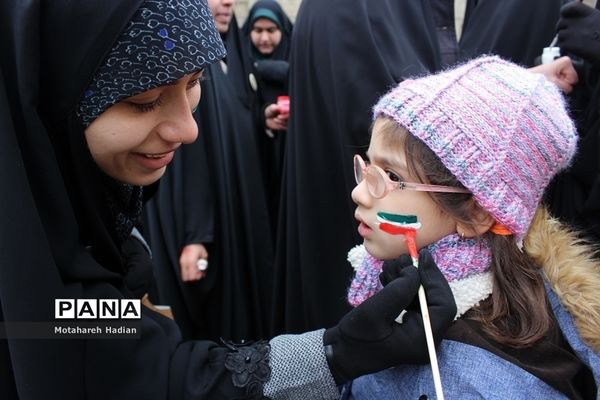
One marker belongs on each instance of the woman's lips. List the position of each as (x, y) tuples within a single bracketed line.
[(154, 161)]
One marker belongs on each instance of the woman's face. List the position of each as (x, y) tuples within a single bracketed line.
[(265, 36), (222, 11), (435, 223), (134, 140)]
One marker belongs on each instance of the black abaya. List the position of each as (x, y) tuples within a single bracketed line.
[(344, 56), (574, 195), (181, 213), (215, 194)]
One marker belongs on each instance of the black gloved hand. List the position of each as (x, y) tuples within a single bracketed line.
[(579, 31), (368, 339), (391, 268)]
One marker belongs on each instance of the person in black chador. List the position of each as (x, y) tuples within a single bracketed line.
[(574, 195), (213, 206), (344, 55), (96, 97), (267, 33)]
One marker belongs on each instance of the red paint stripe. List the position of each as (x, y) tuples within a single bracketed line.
[(409, 233)]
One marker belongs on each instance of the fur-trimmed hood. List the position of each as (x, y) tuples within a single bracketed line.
[(571, 270)]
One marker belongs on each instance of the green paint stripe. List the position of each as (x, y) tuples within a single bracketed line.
[(403, 219)]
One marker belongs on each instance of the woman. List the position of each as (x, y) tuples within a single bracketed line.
[(267, 33), (95, 99)]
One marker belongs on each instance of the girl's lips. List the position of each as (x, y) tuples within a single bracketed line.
[(364, 230), (154, 162)]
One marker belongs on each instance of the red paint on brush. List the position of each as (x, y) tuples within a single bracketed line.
[(409, 233)]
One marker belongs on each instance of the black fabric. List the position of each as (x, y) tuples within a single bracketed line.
[(249, 366), (214, 194), (57, 241), (368, 338), (344, 56), (443, 15), (574, 195), (242, 252), (182, 213), (579, 31), (551, 360)]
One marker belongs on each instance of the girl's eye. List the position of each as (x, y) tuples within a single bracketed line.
[(393, 176), (146, 107)]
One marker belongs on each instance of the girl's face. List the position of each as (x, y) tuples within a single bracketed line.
[(265, 35), (134, 140), (435, 223)]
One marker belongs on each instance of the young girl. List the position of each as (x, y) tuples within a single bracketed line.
[(470, 151)]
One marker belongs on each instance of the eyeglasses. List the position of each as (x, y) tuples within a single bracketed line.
[(380, 184)]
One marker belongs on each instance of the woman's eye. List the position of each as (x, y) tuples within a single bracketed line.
[(145, 107), (194, 82), (393, 176)]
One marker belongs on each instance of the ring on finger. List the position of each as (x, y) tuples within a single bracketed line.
[(202, 264)]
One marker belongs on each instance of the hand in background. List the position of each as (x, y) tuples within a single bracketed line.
[(274, 119), (560, 72), (188, 262), (579, 31)]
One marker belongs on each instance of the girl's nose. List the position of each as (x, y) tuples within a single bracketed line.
[(361, 195)]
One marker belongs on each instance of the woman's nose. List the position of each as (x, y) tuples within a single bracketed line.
[(179, 125)]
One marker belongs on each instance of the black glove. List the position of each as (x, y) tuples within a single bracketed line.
[(368, 339), (392, 268), (579, 31)]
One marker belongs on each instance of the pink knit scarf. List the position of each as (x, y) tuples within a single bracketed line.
[(463, 261)]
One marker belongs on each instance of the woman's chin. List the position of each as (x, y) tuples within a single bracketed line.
[(144, 179)]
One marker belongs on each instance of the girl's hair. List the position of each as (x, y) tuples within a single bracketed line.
[(516, 314)]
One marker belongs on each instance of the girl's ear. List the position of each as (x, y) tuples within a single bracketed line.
[(481, 222)]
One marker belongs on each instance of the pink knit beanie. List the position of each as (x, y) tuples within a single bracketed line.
[(503, 131)]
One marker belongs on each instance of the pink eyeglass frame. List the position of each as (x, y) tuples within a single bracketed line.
[(391, 185)]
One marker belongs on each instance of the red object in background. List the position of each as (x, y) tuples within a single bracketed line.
[(283, 102)]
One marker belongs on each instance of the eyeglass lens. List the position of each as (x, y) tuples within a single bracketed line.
[(375, 181)]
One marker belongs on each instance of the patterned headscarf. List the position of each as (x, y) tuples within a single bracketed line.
[(165, 40)]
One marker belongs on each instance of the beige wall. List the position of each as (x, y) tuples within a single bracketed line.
[(242, 7)]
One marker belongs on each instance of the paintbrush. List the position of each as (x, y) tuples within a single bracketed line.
[(407, 225)]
